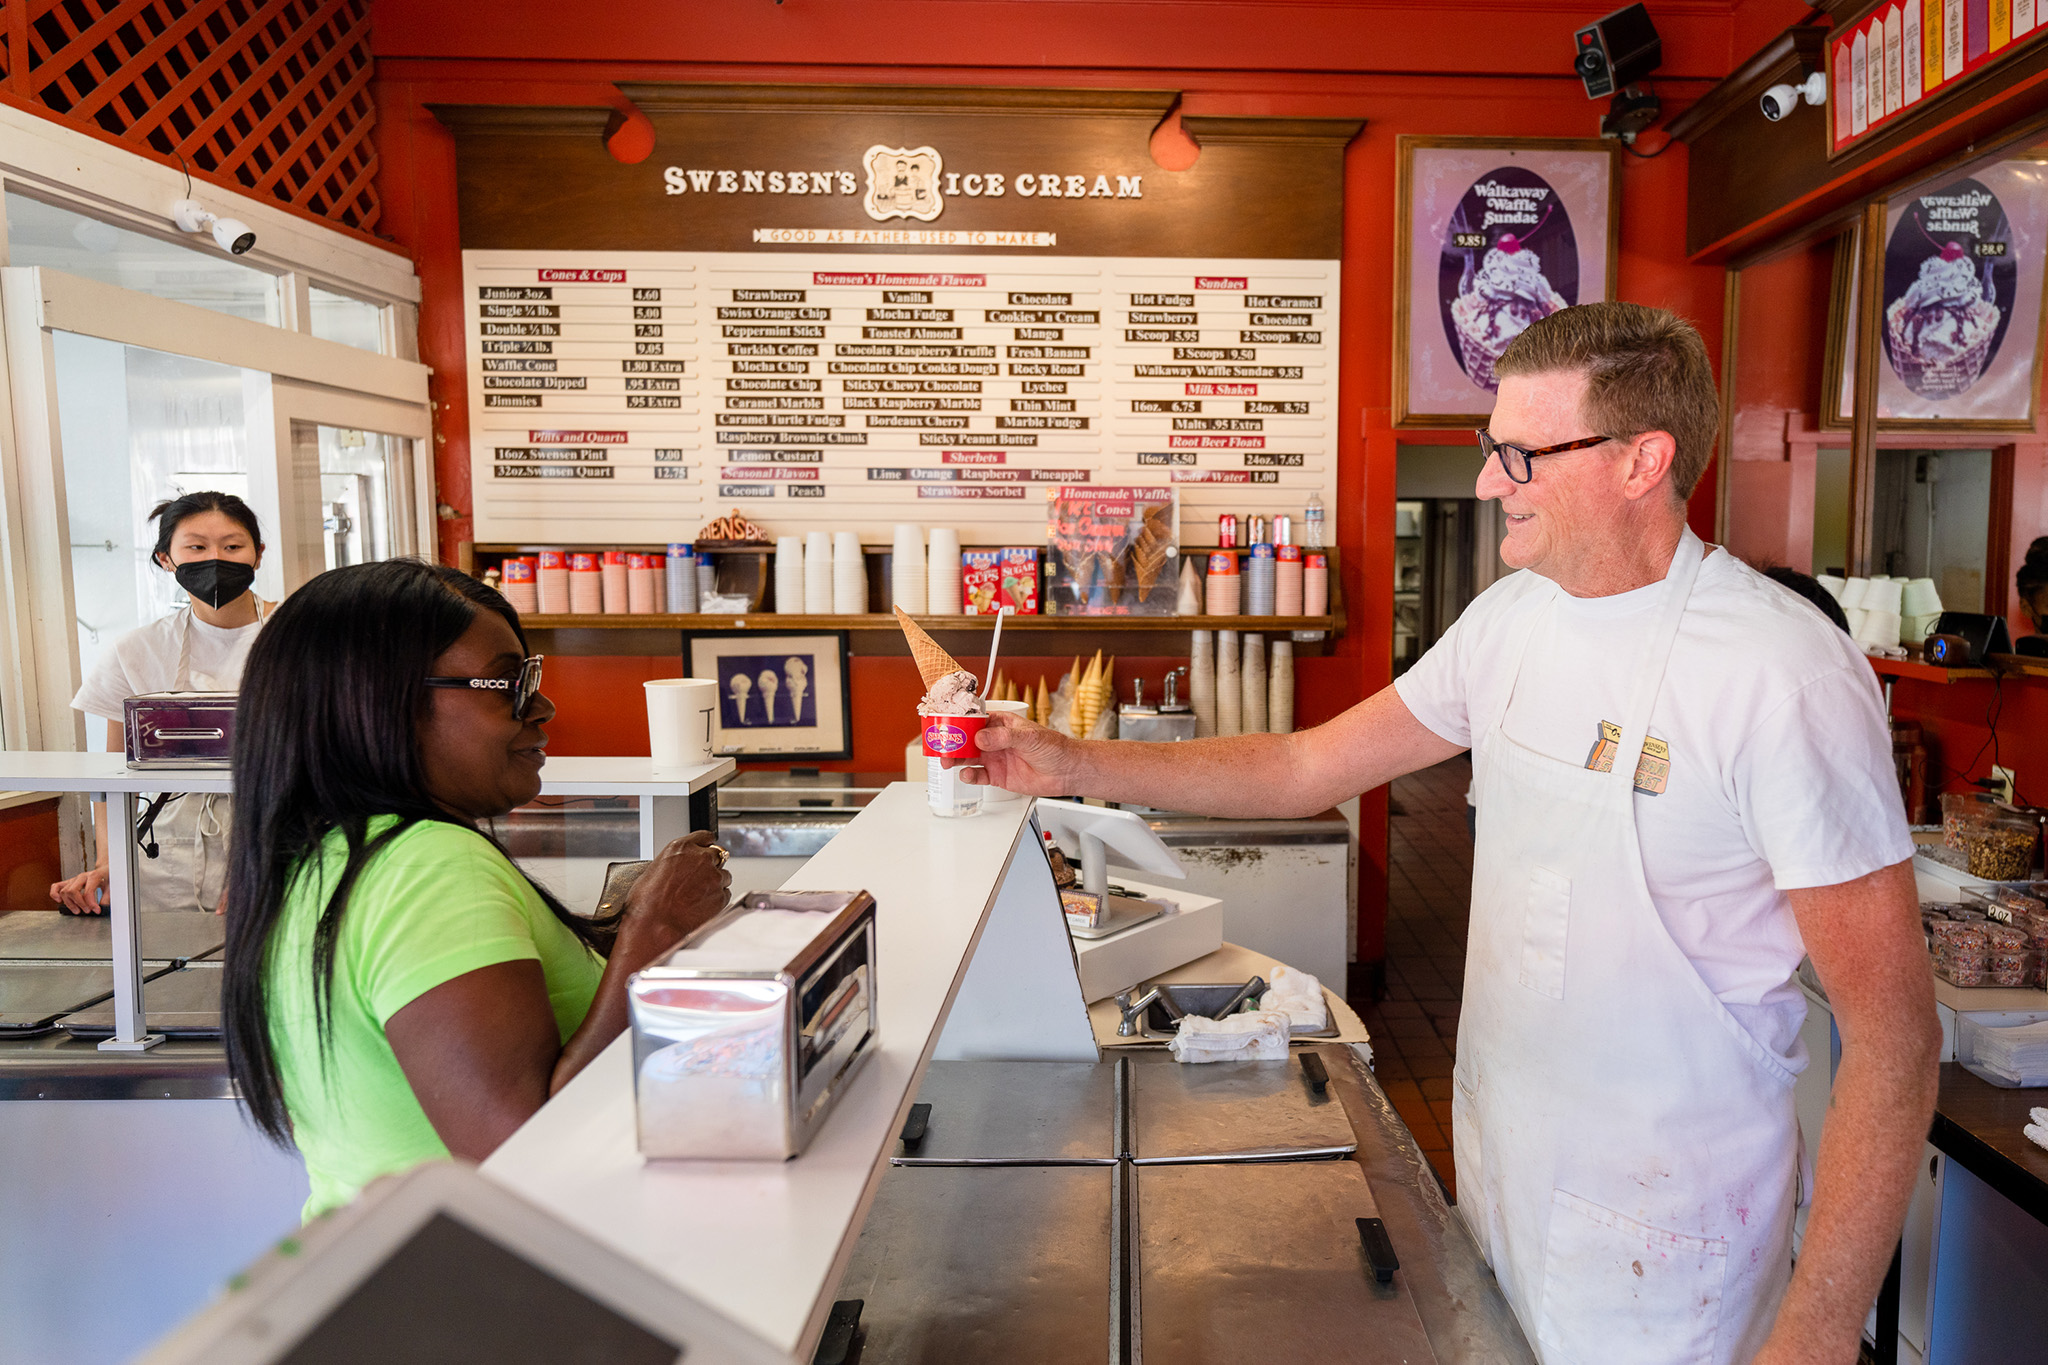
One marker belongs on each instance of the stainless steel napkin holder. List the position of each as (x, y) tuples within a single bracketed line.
[(746, 1035), (180, 729)]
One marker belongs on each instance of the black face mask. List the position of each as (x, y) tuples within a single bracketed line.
[(216, 582)]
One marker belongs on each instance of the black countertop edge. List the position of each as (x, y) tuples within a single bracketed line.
[(1989, 1165)]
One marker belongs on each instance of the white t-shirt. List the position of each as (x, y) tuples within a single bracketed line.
[(146, 660), (1781, 760)]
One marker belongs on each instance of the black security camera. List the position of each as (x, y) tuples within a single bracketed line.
[(1616, 51)]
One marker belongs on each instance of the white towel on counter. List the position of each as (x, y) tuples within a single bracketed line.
[(2037, 1131), (1299, 996), (1256, 1036)]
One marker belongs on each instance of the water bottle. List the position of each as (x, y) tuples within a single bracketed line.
[(1312, 523)]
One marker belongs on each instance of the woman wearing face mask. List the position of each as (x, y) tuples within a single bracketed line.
[(212, 544)]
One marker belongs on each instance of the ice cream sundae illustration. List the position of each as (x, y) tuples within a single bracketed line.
[(1496, 303), (1941, 330)]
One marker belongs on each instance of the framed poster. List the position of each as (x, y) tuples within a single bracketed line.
[(779, 695), (1492, 234), (1963, 279)]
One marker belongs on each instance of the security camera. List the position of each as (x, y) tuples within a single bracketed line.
[(1616, 52), (1781, 100), (235, 236)]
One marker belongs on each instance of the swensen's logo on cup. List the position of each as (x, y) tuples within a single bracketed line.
[(942, 738), (903, 182)]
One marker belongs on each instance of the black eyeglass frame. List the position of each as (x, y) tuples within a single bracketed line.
[(1488, 447), (523, 688)]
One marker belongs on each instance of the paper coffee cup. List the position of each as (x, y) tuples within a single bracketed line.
[(679, 716), (952, 736), (992, 796)]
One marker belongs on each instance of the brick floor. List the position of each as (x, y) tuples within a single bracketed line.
[(1415, 1028)]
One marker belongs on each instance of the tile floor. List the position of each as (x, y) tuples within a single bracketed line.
[(1415, 1028)]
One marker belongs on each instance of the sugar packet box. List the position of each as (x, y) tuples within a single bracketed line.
[(981, 573), (1017, 585)]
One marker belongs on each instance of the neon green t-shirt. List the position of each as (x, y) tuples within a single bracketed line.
[(436, 902)]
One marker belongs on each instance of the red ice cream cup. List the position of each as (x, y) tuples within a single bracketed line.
[(952, 736)]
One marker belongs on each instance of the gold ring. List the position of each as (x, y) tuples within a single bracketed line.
[(723, 856)]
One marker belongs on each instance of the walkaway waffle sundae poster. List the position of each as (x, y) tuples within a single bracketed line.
[(1962, 297), (1494, 234)]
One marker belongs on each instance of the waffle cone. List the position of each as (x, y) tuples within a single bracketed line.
[(933, 663)]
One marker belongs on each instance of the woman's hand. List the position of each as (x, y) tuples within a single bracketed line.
[(83, 894), (683, 888), (1018, 756)]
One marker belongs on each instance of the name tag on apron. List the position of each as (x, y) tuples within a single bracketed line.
[(1653, 769)]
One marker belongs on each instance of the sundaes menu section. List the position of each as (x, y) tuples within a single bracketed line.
[(628, 397)]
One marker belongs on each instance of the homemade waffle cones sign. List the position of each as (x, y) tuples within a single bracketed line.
[(933, 663)]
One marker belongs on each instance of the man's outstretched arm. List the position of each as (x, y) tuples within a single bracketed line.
[(1275, 776)]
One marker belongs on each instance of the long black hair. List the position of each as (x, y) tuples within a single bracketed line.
[(327, 737), (2033, 574), (168, 514)]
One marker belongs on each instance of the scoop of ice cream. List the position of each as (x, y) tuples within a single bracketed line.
[(954, 695), (1507, 293)]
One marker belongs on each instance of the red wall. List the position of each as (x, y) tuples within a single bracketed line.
[(29, 856), (1405, 68)]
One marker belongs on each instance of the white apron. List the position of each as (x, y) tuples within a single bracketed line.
[(190, 870), (1626, 1151)]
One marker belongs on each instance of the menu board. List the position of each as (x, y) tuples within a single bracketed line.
[(627, 397)]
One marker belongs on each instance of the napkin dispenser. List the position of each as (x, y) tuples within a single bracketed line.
[(180, 729), (1167, 723), (747, 1034)]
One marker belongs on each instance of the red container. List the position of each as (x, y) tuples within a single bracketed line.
[(952, 736)]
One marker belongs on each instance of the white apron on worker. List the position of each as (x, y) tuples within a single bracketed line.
[(1626, 1151), (190, 832)]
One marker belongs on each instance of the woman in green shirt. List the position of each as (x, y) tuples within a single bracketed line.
[(396, 990)]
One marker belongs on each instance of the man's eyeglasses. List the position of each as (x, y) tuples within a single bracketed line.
[(1514, 460), (523, 688)]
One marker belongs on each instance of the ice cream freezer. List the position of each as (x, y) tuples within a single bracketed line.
[(1251, 1210)]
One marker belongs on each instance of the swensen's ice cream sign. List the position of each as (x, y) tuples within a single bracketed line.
[(905, 182)]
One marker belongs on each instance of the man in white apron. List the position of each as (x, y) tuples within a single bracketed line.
[(1684, 783)]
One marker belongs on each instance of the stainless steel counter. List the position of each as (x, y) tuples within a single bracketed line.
[(57, 1066)]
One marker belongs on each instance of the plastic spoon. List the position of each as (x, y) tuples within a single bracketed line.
[(988, 678)]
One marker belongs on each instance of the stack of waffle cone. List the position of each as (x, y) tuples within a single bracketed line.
[(1093, 694), (933, 663), (1041, 706)]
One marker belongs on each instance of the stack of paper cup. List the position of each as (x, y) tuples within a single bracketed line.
[(613, 583), (1252, 677), (789, 575), (1919, 609), (1259, 581), (1884, 595), (818, 573), (707, 577), (1852, 592), (682, 577), (907, 582), (551, 581), (942, 573), (1229, 687), (1280, 689), (1202, 681), (849, 575), (658, 566), (1287, 580), (679, 712), (586, 585), (639, 584), (1834, 585), (519, 587), (1223, 586)]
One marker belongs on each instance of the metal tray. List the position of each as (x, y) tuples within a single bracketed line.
[(1204, 998), (1017, 1114), (179, 1004), (990, 1264), (1231, 1111), (1238, 1263), (167, 935)]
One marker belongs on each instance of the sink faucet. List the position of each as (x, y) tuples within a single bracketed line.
[(1133, 1011)]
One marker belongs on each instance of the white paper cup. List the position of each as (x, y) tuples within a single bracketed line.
[(993, 795), (679, 715)]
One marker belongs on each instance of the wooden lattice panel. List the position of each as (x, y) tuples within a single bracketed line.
[(270, 94)]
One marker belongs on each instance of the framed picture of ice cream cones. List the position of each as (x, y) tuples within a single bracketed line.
[(1491, 235), (779, 695), (1960, 345)]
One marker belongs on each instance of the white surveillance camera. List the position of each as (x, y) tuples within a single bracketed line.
[(1781, 100), (234, 236)]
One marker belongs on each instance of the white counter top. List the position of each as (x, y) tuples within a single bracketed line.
[(766, 1243)]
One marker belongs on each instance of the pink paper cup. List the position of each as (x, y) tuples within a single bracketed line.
[(952, 736)]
